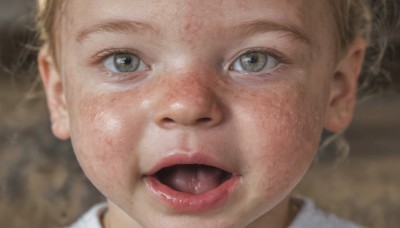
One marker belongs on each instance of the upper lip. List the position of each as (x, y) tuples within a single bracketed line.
[(184, 158)]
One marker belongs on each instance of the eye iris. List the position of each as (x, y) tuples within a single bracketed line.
[(254, 62), (126, 62)]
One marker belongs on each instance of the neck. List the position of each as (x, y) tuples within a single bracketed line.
[(280, 216)]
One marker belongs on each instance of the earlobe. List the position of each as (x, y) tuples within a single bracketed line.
[(54, 93), (344, 83)]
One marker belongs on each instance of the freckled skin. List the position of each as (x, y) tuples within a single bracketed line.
[(266, 128)]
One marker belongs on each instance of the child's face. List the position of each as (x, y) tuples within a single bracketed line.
[(244, 87)]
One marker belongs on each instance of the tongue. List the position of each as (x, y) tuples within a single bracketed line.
[(193, 179)]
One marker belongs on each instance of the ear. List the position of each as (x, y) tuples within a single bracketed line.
[(54, 93), (344, 84)]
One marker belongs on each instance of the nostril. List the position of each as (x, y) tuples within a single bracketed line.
[(201, 121), (168, 120), (204, 120)]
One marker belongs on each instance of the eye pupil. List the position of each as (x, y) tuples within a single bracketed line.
[(251, 59), (126, 62), (253, 62)]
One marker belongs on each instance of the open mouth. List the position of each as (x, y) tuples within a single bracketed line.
[(192, 178), (192, 183)]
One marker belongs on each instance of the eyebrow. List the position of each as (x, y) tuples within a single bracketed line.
[(119, 26), (262, 26)]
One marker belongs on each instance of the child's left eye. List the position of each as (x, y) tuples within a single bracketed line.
[(254, 62), (124, 63)]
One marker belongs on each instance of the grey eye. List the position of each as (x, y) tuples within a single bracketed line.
[(254, 62), (124, 62)]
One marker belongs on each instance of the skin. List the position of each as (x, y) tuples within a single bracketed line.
[(264, 126)]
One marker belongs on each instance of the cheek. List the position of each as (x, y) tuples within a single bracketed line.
[(104, 132), (282, 133)]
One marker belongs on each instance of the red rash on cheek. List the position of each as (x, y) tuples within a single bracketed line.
[(104, 135)]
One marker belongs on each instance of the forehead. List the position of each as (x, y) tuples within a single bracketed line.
[(198, 14)]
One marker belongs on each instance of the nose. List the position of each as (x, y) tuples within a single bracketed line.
[(187, 101)]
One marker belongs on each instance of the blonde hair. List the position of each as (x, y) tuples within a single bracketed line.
[(352, 18), (46, 16)]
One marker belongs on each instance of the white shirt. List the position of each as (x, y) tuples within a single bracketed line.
[(309, 216)]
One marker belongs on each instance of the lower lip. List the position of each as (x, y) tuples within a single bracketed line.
[(186, 202)]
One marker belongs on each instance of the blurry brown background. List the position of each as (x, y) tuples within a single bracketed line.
[(41, 184)]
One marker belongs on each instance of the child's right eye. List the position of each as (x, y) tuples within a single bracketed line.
[(125, 63)]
